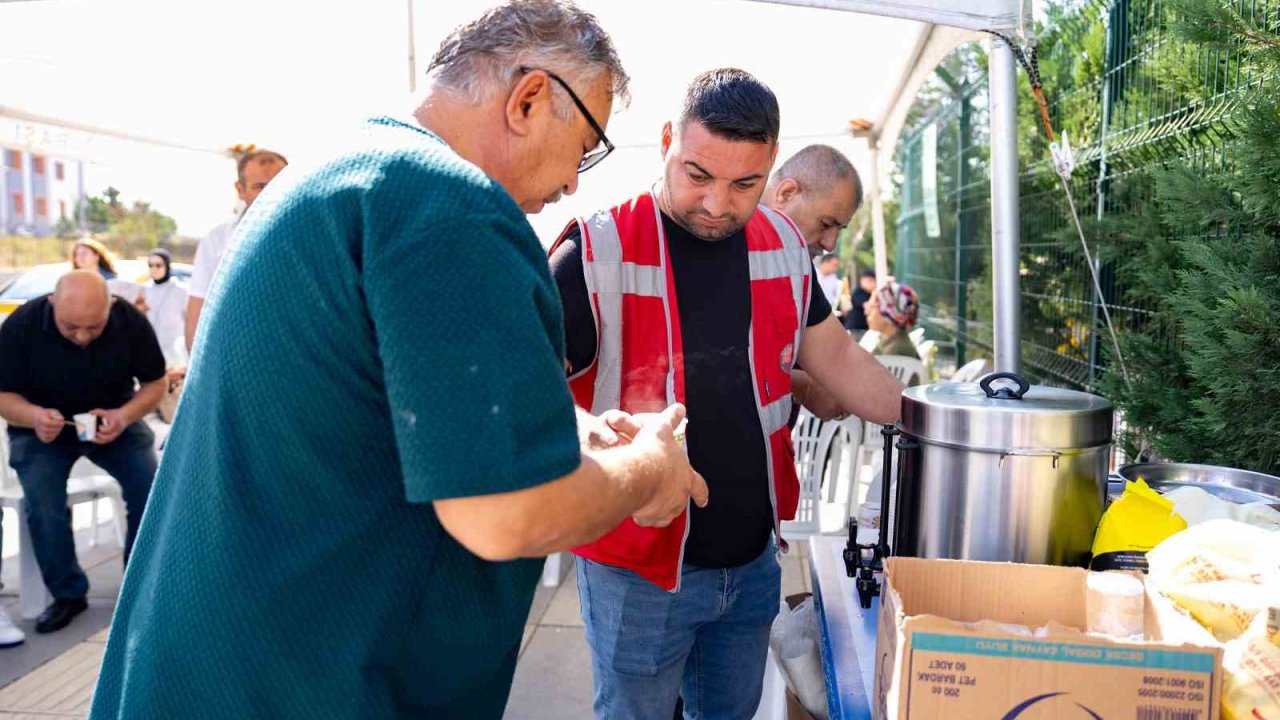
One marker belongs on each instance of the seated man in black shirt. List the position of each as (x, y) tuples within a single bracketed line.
[(79, 350), (694, 293)]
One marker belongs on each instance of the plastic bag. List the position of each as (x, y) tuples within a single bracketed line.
[(1115, 603), (1223, 572), (1132, 526), (1252, 665), (794, 640), (1196, 506)]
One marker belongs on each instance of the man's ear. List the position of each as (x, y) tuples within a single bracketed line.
[(668, 135), (240, 190), (531, 91), (787, 192)]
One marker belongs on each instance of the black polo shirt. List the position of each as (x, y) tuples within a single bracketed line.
[(50, 371)]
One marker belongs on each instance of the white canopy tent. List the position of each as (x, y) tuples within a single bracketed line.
[(93, 78), (951, 23)]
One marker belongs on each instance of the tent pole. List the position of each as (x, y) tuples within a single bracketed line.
[(413, 60), (1003, 100), (877, 212)]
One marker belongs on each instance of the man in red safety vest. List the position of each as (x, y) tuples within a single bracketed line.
[(693, 293)]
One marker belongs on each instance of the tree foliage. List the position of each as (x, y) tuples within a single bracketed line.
[(1206, 369)]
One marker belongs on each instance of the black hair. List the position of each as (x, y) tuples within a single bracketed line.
[(734, 105)]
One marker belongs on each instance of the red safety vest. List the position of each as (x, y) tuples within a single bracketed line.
[(639, 363)]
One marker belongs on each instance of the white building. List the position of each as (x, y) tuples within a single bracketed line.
[(37, 190)]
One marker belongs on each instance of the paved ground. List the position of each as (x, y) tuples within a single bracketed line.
[(52, 677)]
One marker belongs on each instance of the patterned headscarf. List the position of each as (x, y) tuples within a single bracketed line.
[(898, 303)]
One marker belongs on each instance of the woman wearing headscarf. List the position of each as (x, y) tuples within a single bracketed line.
[(166, 305), (164, 300), (89, 254), (892, 311)]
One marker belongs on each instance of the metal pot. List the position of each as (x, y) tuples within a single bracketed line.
[(1016, 474), (1238, 486)]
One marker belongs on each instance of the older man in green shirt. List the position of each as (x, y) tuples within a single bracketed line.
[(371, 439)]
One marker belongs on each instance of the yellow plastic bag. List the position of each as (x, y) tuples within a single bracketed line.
[(1134, 524)]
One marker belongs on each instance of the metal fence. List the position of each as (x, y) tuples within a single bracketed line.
[(1131, 97)]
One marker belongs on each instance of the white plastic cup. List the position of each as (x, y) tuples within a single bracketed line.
[(86, 426)]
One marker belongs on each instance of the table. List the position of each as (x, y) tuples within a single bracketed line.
[(848, 632)]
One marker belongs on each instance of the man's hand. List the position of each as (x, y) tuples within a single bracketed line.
[(48, 424), (679, 481), (175, 376), (110, 424), (611, 429)]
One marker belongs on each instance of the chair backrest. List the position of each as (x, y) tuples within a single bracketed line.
[(908, 370), (8, 478), (812, 441), (917, 336), (869, 340), (970, 371)]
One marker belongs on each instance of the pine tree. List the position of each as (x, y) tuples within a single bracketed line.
[(1206, 369)]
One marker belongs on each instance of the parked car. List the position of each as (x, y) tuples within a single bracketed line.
[(41, 280)]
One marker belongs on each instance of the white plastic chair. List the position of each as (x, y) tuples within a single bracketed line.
[(905, 369), (917, 336), (869, 340), (970, 371), (812, 439), (869, 444), (88, 483), (551, 570)]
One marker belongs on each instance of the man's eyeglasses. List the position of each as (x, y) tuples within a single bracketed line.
[(592, 158)]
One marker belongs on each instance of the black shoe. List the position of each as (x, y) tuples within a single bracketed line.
[(59, 614)]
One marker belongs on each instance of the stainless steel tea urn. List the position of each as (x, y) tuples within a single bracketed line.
[(1001, 471)]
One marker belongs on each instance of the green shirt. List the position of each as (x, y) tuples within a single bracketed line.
[(897, 344), (384, 332)]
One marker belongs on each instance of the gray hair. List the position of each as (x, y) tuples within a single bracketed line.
[(484, 56), (819, 166)]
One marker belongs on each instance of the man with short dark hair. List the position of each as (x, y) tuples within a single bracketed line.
[(254, 170), (694, 293), (856, 320), (79, 350)]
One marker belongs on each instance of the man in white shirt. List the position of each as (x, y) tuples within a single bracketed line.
[(253, 171), (827, 265)]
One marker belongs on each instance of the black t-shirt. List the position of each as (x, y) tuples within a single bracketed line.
[(713, 294), (48, 370), (857, 319)]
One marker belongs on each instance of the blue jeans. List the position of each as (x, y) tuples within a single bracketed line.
[(43, 470), (707, 643)]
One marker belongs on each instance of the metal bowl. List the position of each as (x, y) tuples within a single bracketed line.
[(1238, 486)]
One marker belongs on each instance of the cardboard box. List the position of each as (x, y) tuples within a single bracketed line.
[(941, 654)]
